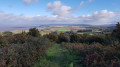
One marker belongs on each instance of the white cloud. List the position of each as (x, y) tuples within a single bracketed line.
[(29, 1), (81, 3), (98, 17), (90, 0), (59, 9), (101, 17)]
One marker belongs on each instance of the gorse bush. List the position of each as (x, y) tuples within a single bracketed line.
[(7, 33), (95, 38), (95, 50), (25, 55), (3, 40), (94, 55), (18, 38), (52, 37), (75, 38), (23, 49), (62, 37)]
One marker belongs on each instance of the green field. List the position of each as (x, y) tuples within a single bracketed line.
[(63, 29), (97, 31), (91, 33)]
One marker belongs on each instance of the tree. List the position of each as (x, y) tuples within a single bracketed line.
[(34, 32), (116, 32)]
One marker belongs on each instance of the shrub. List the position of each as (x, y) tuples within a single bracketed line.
[(2, 40), (75, 38), (94, 55), (18, 38), (62, 37), (95, 38), (116, 31), (7, 33), (24, 55), (52, 37), (34, 32)]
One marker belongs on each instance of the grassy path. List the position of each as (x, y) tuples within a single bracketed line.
[(56, 56)]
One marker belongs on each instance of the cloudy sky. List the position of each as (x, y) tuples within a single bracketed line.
[(35, 12)]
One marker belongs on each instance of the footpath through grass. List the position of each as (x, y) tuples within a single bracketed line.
[(56, 56)]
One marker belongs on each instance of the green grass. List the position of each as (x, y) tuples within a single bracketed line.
[(86, 33), (63, 29), (15, 31), (80, 33), (56, 56), (97, 31)]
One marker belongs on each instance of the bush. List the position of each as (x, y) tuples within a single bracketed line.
[(2, 40), (94, 55), (52, 37), (24, 55), (18, 38), (95, 38), (75, 38), (116, 32), (7, 33), (62, 37), (34, 32)]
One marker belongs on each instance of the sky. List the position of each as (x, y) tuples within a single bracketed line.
[(36, 12)]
